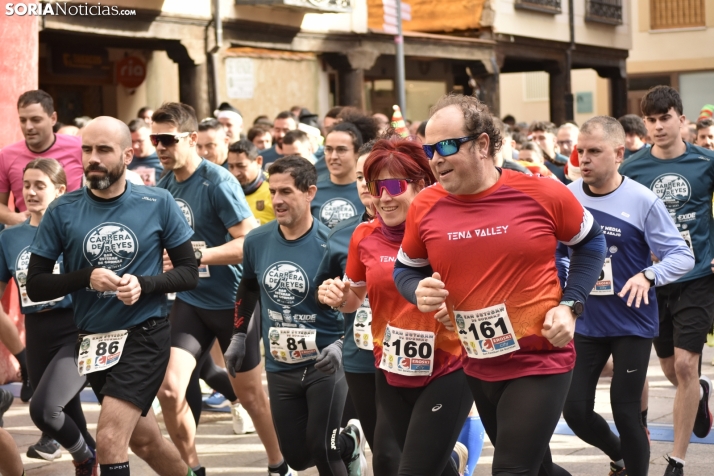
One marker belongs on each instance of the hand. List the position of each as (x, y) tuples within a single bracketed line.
[(330, 358), (430, 293), (168, 265), (129, 289), (17, 218), (559, 326), (638, 286), (336, 292), (235, 353), (442, 315), (103, 280), (322, 290)]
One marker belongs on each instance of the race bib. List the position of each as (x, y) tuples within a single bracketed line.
[(688, 240), (363, 327), (100, 351), (407, 352), (22, 286), (203, 271), (290, 345), (487, 332), (604, 285)]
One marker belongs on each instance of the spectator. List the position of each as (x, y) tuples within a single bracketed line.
[(212, 143), (531, 157), (705, 134), (331, 119), (260, 136), (566, 138), (543, 134), (383, 122), (231, 119), (283, 123), (145, 113), (509, 120)]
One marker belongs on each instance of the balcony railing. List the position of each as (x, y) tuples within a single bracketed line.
[(545, 6), (306, 6), (604, 11), (671, 14)]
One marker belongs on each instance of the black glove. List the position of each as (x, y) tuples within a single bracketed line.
[(235, 353), (330, 358)]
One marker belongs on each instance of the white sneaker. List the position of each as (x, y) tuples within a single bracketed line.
[(242, 423), (357, 464)]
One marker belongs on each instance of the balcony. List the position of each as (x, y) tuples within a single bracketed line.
[(543, 6), (673, 14), (305, 6), (604, 11)]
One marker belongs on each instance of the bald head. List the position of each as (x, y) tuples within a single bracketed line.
[(111, 129)]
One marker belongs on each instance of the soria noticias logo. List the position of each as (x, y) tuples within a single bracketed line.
[(22, 9)]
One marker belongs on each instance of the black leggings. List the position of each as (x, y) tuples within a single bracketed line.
[(375, 425), (55, 407), (307, 406), (426, 421), (216, 377), (520, 416), (630, 356)]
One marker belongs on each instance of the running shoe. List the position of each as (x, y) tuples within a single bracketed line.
[(462, 457), (200, 471), (703, 422), (242, 423), (216, 400), (615, 470), (357, 464), (6, 399), (46, 448), (291, 472), (673, 468), (88, 467), (26, 390)]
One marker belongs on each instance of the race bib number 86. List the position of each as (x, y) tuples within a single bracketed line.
[(100, 351)]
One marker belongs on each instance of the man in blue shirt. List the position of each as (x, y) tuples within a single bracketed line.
[(215, 207), (111, 235), (682, 175), (145, 162), (620, 317)]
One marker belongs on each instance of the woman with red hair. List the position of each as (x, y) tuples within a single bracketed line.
[(419, 379)]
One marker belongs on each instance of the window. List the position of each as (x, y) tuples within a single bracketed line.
[(545, 6), (604, 11), (671, 14)]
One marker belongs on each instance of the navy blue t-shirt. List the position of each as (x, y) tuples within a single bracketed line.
[(14, 259), (126, 235), (286, 270), (212, 201)]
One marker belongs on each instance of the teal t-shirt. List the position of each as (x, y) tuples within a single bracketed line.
[(685, 185), (212, 201), (355, 360), (126, 235), (14, 259), (149, 168), (334, 203), (285, 271)]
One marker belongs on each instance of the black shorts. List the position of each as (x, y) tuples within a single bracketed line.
[(138, 375), (686, 311), (193, 330)]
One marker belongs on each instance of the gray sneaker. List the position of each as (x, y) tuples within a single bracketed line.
[(357, 464), (6, 399), (46, 448)]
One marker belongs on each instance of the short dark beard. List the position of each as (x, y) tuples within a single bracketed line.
[(111, 177)]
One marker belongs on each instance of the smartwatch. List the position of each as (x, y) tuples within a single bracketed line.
[(198, 254), (576, 307), (650, 276)]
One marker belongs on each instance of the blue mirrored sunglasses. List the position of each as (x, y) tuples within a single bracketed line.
[(446, 147)]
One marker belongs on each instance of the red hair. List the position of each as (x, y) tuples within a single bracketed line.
[(401, 158)]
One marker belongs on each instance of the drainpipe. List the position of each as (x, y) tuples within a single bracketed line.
[(569, 100), (213, 53)]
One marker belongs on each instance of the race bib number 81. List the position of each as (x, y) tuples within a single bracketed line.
[(290, 346)]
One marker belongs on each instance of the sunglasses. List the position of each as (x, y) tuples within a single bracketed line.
[(446, 147), (167, 139), (394, 187)]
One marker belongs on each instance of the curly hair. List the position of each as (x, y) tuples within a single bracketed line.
[(477, 118)]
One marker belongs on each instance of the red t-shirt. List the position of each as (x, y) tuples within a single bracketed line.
[(67, 150), (370, 260), (497, 247)]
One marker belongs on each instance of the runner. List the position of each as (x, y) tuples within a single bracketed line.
[(543, 134), (337, 198), (212, 143), (705, 134), (247, 167), (107, 228), (357, 355), (620, 317), (635, 134), (261, 137), (145, 162), (283, 123), (231, 120), (682, 175), (51, 333), (214, 206), (420, 383), (302, 340), (518, 339)]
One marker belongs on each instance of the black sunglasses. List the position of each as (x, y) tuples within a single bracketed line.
[(167, 139), (446, 147)]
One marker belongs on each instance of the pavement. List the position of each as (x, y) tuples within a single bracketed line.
[(222, 452)]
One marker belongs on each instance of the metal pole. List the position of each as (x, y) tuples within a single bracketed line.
[(569, 98), (399, 40)]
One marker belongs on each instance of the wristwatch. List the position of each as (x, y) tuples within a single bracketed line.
[(650, 276), (576, 307), (198, 254)]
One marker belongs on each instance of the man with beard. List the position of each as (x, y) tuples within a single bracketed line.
[(213, 142), (283, 123), (705, 134), (111, 235), (246, 165)]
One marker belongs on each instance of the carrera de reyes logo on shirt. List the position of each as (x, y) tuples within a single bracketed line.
[(673, 189), (286, 283), (336, 210), (111, 245), (186, 210), (23, 262)]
